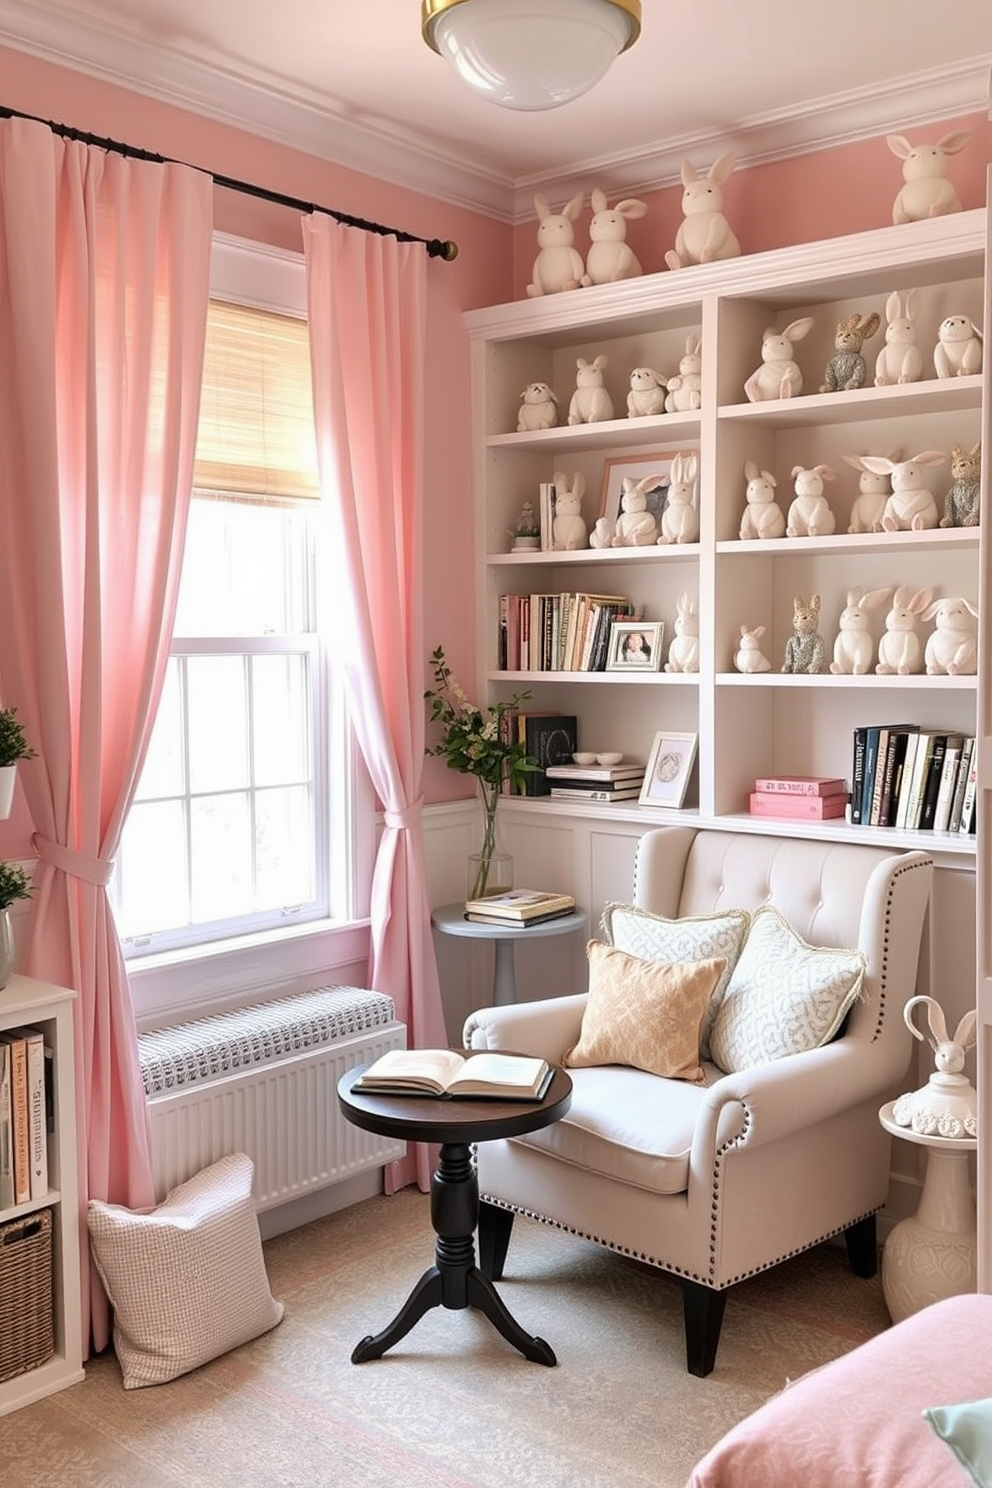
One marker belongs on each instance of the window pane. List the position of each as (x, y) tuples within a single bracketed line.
[(218, 723), (220, 848), (284, 843), (151, 870), (280, 716), (163, 770), (241, 570)]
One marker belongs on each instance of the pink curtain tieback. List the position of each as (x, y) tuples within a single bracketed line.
[(96, 871), (402, 821)]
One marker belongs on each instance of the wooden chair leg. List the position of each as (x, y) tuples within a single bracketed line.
[(702, 1308), (862, 1246), (495, 1225)]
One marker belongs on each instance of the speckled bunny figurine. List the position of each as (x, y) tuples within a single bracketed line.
[(680, 519), (704, 234), (805, 650), (591, 403), (538, 408), (847, 367), (854, 646), (568, 530), (763, 517), (899, 650), (961, 502), (779, 375), (610, 257), (750, 657), (926, 191), (647, 393), (683, 653)]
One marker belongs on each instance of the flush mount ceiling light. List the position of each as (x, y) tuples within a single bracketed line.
[(530, 54)]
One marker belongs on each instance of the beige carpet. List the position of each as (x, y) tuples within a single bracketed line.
[(453, 1406)]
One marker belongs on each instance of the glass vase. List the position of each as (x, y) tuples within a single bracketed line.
[(490, 871)]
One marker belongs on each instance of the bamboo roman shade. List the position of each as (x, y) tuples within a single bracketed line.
[(256, 432)]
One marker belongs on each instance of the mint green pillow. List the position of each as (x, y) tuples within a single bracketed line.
[(967, 1430)]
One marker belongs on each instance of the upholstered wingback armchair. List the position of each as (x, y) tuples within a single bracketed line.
[(716, 1181)]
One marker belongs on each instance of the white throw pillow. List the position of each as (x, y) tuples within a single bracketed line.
[(187, 1280), (784, 996), (693, 938)]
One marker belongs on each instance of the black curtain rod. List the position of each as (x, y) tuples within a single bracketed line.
[(436, 247)]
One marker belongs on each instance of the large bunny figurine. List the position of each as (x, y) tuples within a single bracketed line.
[(683, 653), (763, 517), (810, 514), (636, 526), (911, 506), (952, 649), (874, 491), (899, 359), (591, 403), (705, 234), (568, 530), (958, 352), (558, 264), (927, 192), (854, 647), (538, 408), (779, 375), (647, 393), (609, 257), (685, 388), (947, 1106), (899, 650), (680, 519)]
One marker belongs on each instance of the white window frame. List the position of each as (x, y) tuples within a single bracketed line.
[(171, 986)]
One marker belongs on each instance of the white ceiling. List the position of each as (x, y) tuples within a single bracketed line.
[(356, 84)]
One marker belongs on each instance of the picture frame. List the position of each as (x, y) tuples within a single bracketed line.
[(636, 468), (635, 646), (669, 766)]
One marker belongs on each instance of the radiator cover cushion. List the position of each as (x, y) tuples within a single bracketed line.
[(187, 1280)]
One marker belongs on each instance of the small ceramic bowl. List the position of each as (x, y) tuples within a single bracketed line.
[(584, 759), (609, 759)]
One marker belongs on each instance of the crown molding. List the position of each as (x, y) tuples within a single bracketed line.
[(322, 126)]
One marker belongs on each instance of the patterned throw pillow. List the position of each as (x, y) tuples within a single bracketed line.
[(186, 1281), (693, 938), (643, 1013), (784, 996)]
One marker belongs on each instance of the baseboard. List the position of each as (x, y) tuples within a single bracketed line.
[(323, 1201)]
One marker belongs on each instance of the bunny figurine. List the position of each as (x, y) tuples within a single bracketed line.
[(927, 192), (680, 519), (683, 653), (763, 517), (704, 234), (539, 408), (647, 393), (558, 264), (601, 535), (899, 650), (952, 649), (899, 359), (958, 352), (779, 375), (847, 367), (568, 530), (749, 657), (810, 514), (854, 647), (873, 492), (804, 650), (636, 526), (609, 257), (961, 501), (684, 389), (911, 506), (591, 403), (947, 1106)]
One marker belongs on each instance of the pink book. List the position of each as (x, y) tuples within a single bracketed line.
[(800, 785), (811, 808)]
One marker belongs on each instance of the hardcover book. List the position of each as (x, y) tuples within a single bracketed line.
[(810, 808), (550, 740), (520, 904), (961, 784), (442, 1072), (19, 1116), (800, 785), (597, 793), (569, 774)]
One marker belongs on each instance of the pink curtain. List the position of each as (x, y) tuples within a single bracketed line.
[(104, 283), (367, 314)]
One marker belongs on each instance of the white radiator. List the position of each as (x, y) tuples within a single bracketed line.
[(282, 1112)]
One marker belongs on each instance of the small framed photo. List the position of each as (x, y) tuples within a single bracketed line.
[(614, 473), (668, 769), (635, 646)]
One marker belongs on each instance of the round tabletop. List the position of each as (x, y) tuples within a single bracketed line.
[(922, 1139), (450, 920), (428, 1118)]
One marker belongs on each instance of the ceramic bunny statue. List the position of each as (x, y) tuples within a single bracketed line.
[(961, 501), (636, 526), (899, 359), (958, 352), (952, 649), (847, 367), (874, 491), (804, 650), (763, 517), (591, 403), (568, 530), (927, 192), (680, 519), (609, 257), (947, 1106), (779, 375), (601, 535), (704, 234), (685, 388), (558, 264), (899, 650), (749, 657), (539, 408), (683, 653), (810, 514), (911, 506), (854, 647), (647, 393)]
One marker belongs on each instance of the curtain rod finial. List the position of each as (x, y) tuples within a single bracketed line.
[(443, 248)]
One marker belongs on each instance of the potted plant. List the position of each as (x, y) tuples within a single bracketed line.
[(13, 747), (14, 884), (526, 530)]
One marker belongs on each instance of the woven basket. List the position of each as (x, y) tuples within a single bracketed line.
[(27, 1334)]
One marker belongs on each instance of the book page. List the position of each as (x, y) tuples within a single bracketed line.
[(517, 1070)]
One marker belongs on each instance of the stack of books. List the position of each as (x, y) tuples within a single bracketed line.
[(601, 783), (809, 797), (518, 907), (914, 779)]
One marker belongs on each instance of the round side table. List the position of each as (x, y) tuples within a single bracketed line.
[(933, 1254), (450, 920)]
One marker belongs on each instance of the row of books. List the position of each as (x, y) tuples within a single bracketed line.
[(25, 1116), (913, 778), (599, 783), (806, 797), (557, 632)]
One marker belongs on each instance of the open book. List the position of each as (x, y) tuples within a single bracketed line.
[(445, 1073)]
